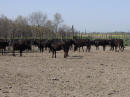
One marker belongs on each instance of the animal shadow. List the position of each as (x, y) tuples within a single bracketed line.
[(75, 57)]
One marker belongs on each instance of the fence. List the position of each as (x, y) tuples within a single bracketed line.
[(124, 36)]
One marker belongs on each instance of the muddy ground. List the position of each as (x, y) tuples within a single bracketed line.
[(94, 74)]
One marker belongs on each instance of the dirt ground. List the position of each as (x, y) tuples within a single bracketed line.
[(94, 74)]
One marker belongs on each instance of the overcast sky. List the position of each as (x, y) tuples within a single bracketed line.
[(94, 15)]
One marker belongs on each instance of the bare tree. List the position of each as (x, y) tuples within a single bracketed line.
[(50, 28), (21, 20), (57, 21), (36, 25), (65, 31), (22, 28), (37, 19), (49, 24), (4, 26)]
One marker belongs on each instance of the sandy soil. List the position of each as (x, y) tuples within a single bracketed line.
[(94, 74)]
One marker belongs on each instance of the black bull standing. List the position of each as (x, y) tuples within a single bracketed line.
[(60, 45), (21, 46), (3, 45)]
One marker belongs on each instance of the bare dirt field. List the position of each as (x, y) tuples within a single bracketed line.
[(94, 74)]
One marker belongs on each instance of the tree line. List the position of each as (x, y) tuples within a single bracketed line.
[(35, 25)]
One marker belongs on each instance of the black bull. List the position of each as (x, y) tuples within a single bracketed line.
[(3, 45), (113, 43), (81, 43), (65, 45), (56, 45), (41, 44), (21, 46)]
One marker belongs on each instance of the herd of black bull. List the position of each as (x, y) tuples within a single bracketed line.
[(56, 45)]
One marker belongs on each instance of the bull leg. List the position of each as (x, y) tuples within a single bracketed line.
[(82, 48), (49, 50), (42, 50), (115, 48), (97, 48), (118, 48), (66, 54), (52, 54), (20, 52), (112, 48), (55, 54), (45, 48), (13, 52), (122, 48), (104, 47), (70, 47), (86, 48), (89, 48), (2, 51)]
